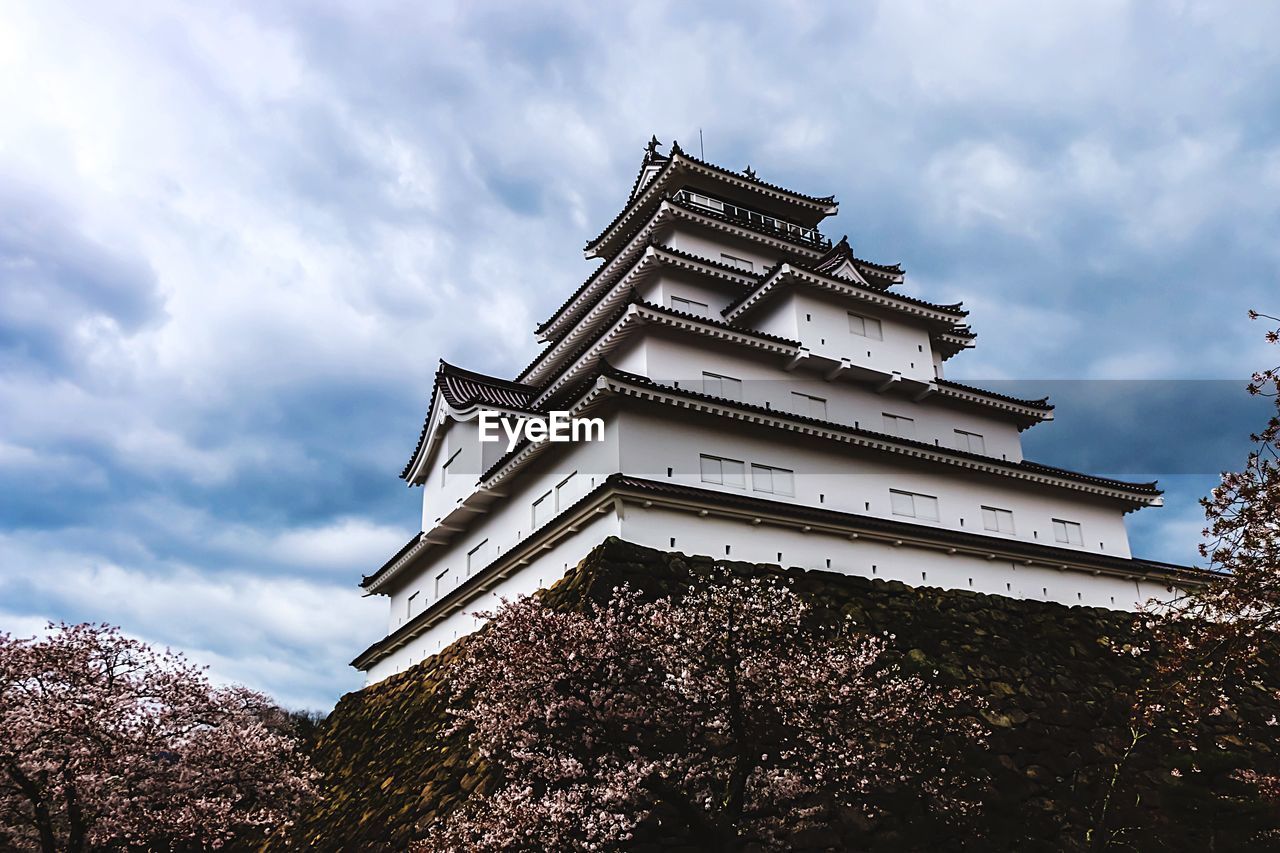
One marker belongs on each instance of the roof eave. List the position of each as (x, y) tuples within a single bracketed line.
[(677, 162)]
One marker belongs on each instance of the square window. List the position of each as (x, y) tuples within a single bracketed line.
[(689, 306), (1067, 532), (867, 327), (899, 426), (997, 520), (912, 505), (444, 469), (543, 509), (721, 386), (970, 441), (475, 558), (807, 404), (774, 481), (565, 491), (740, 263), (724, 472)]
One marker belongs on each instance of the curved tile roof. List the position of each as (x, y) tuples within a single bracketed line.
[(1042, 403), (957, 308), (677, 154), (461, 388)]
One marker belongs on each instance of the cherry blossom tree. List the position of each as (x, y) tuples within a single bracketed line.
[(1210, 646), (1212, 640), (108, 743), (731, 713)]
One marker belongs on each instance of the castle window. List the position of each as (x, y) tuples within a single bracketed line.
[(807, 404), (740, 263), (564, 493), (867, 327), (475, 559), (970, 441), (410, 604), (774, 481), (899, 426), (912, 505), (1067, 532), (721, 386), (997, 520), (723, 472), (442, 583), (444, 469), (543, 509), (689, 306)]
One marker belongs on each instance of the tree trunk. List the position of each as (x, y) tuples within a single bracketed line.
[(75, 818), (43, 820)]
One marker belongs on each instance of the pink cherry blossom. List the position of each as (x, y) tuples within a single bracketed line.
[(732, 711), (106, 742), (1212, 646)]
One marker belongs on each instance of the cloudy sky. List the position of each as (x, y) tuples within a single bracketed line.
[(235, 240)]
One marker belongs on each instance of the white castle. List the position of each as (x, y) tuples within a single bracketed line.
[(765, 396)]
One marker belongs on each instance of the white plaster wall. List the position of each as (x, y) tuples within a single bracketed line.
[(546, 570), (695, 240), (776, 317), (840, 477), (729, 539), (715, 294), (673, 357), (823, 322), (441, 491), (632, 356), (665, 444), (509, 521)]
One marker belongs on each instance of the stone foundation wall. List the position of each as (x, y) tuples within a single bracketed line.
[(1058, 693)]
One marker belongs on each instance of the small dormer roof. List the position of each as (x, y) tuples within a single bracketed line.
[(840, 262), (461, 389)]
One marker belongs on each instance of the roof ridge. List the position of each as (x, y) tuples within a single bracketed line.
[(633, 298), (485, 378), (676, 155), (720, 324), (956, 308), (746, 226), (651, 243), (447, 371), (742, 176), (842, 249)]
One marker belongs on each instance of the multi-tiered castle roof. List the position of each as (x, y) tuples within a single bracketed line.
[(766, 393)]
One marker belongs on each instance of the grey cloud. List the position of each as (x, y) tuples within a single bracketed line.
[(60, 285), (247, 234)]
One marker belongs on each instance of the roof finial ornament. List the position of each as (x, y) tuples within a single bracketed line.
[(675, 148), (749, 172), (651, 150)]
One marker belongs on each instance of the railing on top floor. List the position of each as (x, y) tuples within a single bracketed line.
[(755, 219)]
